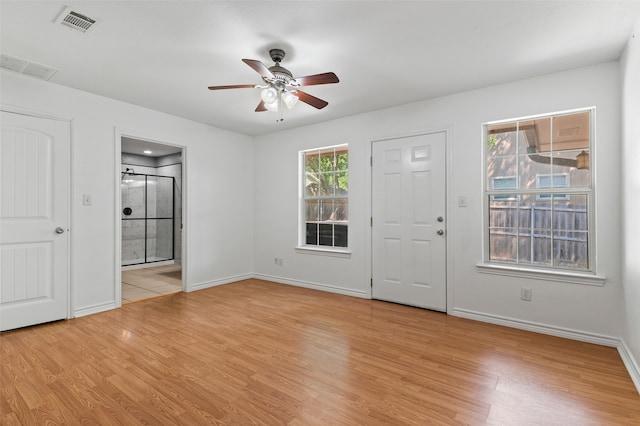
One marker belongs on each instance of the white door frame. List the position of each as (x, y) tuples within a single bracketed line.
[(448, 131), (119, 134), (70, 191)]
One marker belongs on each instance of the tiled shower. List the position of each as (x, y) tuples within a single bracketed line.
[(151, 209)]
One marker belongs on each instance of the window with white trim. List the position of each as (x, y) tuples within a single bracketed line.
[(325, 197), (538, 191)]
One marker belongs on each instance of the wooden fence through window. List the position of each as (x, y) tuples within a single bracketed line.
[(539, 234)]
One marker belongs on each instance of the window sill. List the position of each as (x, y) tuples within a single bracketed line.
[(541, 274), (324, 251)]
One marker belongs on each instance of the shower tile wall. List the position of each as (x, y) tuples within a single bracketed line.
[(133, 231), (175, 170), (159, 194)]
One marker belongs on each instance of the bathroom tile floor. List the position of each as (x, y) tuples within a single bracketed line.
[(138, 284)]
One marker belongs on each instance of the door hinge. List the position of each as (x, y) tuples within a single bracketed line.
[(371, 282), (371, 221), (371, 161)]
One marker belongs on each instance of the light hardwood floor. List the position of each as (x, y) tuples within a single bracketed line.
[(255, 352), (154, 281)]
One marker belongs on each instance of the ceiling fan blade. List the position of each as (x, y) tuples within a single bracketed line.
[(311, 100), (258, 67), (261, 107), (235, 86), (312, 80)]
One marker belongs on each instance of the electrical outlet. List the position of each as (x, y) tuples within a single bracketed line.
[(525, 294), (278, 261)]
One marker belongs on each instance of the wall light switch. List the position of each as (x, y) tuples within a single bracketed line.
[(462, 201), (87, 199)]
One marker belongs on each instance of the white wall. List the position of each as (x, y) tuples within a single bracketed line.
[(630, 65), (224, 225), (589, 311), (218, 169)]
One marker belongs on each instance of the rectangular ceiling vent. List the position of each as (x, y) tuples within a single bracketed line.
[(75, 20), (23, 66)]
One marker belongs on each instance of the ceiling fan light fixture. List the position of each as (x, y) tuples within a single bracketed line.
[(272, 106), (269, 95), (289, 99)]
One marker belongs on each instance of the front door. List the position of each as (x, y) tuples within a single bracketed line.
[(408, 215), (34, 220)]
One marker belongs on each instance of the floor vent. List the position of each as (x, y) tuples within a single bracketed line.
[(75, 20), (23, 66)]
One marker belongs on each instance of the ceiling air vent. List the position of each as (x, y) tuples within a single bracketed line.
[(75, 20), (23, 66)]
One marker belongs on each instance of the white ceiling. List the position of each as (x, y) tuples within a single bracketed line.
[(137, 146), (163, 54)]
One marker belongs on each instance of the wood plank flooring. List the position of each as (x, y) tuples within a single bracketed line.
[(256, 352)]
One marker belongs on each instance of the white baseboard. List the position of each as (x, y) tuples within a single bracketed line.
[(95, 309), (221, 281), (316, 286), (581, 336), (630, 363)]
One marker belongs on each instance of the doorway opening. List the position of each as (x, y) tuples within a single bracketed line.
[(150, 219)]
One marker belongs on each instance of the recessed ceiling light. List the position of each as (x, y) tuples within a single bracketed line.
[(147, 151)]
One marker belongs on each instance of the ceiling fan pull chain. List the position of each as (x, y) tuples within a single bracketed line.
[(280, 107)]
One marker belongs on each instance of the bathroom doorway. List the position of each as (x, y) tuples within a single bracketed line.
[(151, 176)]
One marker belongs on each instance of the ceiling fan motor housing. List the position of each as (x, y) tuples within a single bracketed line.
[(277, 55), (280, 74)]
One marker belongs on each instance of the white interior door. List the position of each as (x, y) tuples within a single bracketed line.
[(34, 220), (408, 213)]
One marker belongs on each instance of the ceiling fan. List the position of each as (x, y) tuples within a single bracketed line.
[(281, 88)]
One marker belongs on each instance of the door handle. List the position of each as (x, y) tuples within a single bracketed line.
[(440, 232), (59, 230)]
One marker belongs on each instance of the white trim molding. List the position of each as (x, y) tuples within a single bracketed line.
[(541, 274), (535, 327), (323, 252), (215, 283), (630, 363), (314, 286), (94, 309)]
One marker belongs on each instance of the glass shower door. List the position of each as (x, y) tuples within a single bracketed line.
[(159, 218)]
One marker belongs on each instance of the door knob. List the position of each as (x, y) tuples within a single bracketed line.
[(59, 230), (440, 219), (440, 232)]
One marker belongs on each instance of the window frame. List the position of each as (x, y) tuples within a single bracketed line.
[(546, 272), (302, 246)]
